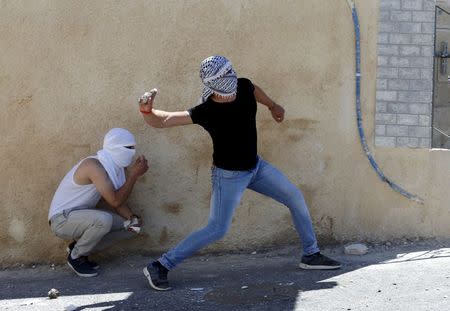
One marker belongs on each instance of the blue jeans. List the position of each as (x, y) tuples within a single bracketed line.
[(227, 190)]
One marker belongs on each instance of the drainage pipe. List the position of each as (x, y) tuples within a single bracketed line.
[(362, 136)]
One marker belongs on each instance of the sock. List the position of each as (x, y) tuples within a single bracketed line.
[(310, 255), (160, 266)]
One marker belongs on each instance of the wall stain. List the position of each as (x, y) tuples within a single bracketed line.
[(308, 193), (292, 124), (325, 227), (294, 137), (142, 179), (172, 208), (291, 131), (72, 30), (206, 201), (287, 219), (163, 236), (302, 124), (327, 222), (200, 154), (196, 174), (26, 100)]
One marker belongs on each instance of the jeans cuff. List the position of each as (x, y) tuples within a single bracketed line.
[(166, 263), (311, 249)]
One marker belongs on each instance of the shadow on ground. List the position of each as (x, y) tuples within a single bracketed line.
[(264, 281)]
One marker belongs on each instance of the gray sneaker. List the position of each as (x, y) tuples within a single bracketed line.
[(156, 275), (318, 261)]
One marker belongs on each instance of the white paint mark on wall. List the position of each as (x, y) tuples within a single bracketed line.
[(17, 230)]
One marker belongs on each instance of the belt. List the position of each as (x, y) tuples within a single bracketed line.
[(66, 213)]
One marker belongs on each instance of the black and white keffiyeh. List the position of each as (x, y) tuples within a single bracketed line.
[(218, 77)]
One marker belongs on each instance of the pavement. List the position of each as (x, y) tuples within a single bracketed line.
[(397, 275)]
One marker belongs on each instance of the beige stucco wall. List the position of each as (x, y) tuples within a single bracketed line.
[(70, 70)]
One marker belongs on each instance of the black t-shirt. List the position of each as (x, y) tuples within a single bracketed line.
[(232, 127)]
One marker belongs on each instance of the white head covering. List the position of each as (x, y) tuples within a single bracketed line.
[(114, 156), (218, 77)]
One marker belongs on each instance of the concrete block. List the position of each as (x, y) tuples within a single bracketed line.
[(407, 119), (384, 16), (410, 50), (429, 5), (425, 143), (396, 130), (383, 61), (428, 51), (356, 249), (384, 141), (398, 38), (415, 108), (410, 142), (380, 130), (385, 118), (423, 16), (426, 74), (422, 39), (421, 62), (387, 95), (387, 73), (414, 97), (382, 84), (401, 16), (428, 28), (408, 27), (389, 27), (383, 38), (424, 120), (412, 4), (390, 5), (410, 96), (397, 108), (398, 85), (421, 85), (409, 73), (387, 50), (419, 131), (381, 107), (395, 61)]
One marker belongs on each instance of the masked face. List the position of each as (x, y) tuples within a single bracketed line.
[(119, 143), (122, 156), (218, 77)]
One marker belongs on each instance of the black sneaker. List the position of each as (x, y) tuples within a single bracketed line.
[(318, 261), (93, 264), (81, 267), (156, 275)]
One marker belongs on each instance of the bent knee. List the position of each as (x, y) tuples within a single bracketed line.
[(104, 221), (218, 232), (291, 195)]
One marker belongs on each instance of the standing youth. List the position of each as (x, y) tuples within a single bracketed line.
[(227, 110)]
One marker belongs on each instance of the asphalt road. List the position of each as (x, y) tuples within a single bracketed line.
[(404, 276)]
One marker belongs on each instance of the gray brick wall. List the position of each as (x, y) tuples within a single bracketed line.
[(405, 73)]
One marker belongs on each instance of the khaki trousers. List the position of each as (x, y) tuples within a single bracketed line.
[(92, 229)]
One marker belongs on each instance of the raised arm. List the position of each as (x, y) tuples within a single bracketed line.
[(159, 118), (276, 110)]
